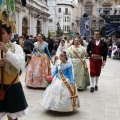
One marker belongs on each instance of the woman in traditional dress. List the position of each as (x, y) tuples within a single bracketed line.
[(81, 75), (62, 46), (39, 65), (14, 103), (68, 42), (61, 94)]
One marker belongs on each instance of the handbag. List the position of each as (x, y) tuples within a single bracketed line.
[(2, 92)]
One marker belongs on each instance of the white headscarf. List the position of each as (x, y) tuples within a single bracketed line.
[(61, 48)]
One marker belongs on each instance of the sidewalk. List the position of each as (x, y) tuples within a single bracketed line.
[(103, 104)]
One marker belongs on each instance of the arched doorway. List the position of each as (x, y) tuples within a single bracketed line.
[(25, 26), (4, 15)]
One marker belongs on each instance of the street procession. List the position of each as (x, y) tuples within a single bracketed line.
[(59, 59)]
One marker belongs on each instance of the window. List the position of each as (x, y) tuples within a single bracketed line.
[(65, 18), (65, 27), (59, 10), (88, 8), (50, 20), (50, 28), (66, 11), (68, 28), (68, 19), (59, 19)]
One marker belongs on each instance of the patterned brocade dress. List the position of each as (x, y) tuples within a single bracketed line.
[(38, 67), (57, 96), (81, 76)]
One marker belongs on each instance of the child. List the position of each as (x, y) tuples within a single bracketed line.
[(14, 104), (60, 95)]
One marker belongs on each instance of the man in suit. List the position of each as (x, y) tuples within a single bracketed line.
[(97, 51)]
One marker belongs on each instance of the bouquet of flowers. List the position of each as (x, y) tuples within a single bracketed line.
[(49, 79), (55, 59)]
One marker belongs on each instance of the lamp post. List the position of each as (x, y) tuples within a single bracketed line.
[(38, 23), (58, 30)]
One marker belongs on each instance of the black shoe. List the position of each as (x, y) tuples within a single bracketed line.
[(96, 88), (92, 89)]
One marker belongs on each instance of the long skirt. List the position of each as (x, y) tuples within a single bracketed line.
[(81, 76), (57, 97), (14, 104), (37, 70)]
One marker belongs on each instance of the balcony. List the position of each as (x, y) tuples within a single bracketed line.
[(65, 13)]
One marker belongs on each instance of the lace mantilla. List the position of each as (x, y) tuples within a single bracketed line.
[(64, 66)]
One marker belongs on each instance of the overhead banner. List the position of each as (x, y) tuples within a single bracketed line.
[(112, 28), (1, 4), (85, 27)]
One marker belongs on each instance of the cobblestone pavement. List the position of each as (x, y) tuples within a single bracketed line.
[(101, 105)]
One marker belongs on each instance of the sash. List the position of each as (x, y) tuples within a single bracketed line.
[(48, 61), (84, 64), (72, 92)]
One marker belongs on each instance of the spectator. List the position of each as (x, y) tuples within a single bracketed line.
[(15, 39), (28, 45)]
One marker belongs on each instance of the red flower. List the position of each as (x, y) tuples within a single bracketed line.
[(49, 78)]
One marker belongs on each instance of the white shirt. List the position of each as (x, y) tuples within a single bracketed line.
[(97, 42), (17, 59)]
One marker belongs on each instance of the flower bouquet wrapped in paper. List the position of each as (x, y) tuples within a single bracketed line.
[(55, 59), (49, 79)]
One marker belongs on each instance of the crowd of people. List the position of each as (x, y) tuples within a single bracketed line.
[(62, 62)]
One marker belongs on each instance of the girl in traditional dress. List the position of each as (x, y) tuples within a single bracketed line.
[(61, 94), (39, 65), (81, 75), (14, 103)]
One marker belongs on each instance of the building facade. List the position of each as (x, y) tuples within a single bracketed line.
[(93, 8), (62, 13), (31, 19)]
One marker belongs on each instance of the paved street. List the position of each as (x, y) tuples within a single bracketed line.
[(101, 105)]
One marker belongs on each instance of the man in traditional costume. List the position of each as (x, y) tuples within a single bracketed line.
[(97, 51), (13, 103)]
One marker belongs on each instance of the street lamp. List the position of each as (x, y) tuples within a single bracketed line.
[(38, 23), (58, 30)]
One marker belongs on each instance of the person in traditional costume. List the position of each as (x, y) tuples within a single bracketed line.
[(97, 51), (62, 47), (13, 102), (68, 42), (39, 65), (61, 94), (81, 74)]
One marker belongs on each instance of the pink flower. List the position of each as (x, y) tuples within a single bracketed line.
[(49, 78), (56, 57), (29, 55)]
